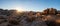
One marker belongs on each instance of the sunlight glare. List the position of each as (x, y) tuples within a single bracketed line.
[(19, 9)]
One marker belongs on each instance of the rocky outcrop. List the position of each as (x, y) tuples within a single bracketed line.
[(50, 11), (49, 17)]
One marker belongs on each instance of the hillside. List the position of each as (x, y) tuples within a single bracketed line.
[(49, 17)]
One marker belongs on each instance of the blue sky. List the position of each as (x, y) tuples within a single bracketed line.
[(34, 5)]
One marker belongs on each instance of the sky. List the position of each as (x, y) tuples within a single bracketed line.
[(30, 5)]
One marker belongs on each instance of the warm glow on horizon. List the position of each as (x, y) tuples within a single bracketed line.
[(19, 9)]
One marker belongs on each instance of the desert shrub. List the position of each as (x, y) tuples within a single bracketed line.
[(2, 21), (5, 20), (15, 22), (1, 17), (9, 25), (30, 19), (50, 23)]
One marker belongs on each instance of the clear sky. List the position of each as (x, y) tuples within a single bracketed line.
[(34, 5)]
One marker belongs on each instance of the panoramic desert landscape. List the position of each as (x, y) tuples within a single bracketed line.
[(29, 12), (49, 17)]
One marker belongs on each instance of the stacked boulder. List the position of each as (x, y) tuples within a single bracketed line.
[(50, 11)]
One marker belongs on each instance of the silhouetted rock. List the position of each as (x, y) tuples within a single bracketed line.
[(50, 11), (45, 12)]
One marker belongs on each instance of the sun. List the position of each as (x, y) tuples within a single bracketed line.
[(19, 9)]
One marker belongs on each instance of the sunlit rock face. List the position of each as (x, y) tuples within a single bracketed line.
[(57, 20), (49, 17), (38, 14), (49, 20), (58, 15), (52, 20)]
